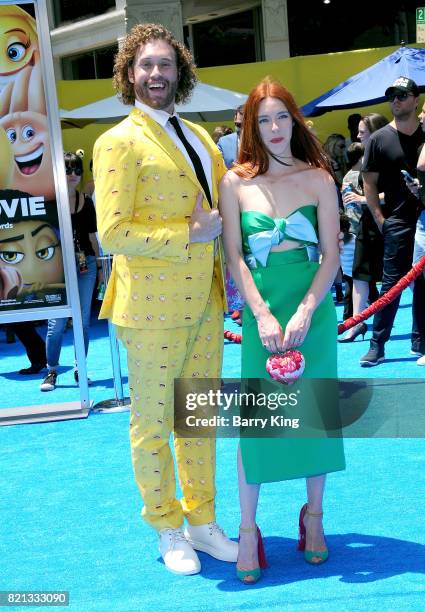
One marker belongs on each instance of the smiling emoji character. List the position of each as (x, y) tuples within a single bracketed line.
[(28, 136), (18, 42)]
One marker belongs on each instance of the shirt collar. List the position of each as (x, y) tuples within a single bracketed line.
[(159, 116)]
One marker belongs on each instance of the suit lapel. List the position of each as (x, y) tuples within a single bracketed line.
[(159, 136)]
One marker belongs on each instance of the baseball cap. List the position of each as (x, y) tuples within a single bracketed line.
[(403, 84)]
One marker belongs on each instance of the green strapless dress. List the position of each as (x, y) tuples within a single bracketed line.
[(283, 279)]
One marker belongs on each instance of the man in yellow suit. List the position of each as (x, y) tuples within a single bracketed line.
[(156, 180)]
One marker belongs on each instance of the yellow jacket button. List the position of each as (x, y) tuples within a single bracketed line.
[(209, 248)]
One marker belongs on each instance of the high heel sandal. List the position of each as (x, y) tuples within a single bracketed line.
[(309, 555), (358, 330), (262, 563)]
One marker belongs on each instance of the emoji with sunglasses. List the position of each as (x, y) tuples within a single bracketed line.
[(18, 43), (30, 248)]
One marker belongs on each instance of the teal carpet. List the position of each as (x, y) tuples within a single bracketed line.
[(70, 520)]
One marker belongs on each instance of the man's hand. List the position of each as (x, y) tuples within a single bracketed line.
[(413, 186), (205, 225)]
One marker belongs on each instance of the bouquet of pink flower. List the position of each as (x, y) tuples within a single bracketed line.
[(286, 367)]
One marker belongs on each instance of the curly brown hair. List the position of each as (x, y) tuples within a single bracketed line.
[(139, 35)]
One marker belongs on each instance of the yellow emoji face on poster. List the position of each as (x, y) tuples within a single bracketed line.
[(6, 160), (18, 42), (28, 136), (32, 248)]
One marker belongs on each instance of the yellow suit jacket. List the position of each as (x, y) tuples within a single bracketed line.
[(145, 194)]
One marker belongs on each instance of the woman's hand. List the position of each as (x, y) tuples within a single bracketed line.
[(270, 333), (296, 331)]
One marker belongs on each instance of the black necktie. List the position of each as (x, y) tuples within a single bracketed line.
[(197, 164)]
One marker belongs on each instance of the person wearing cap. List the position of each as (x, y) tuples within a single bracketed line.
[(391, 149)]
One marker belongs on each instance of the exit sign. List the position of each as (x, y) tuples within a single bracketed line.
[(420, 24)]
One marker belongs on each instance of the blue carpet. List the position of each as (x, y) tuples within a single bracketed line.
[(70, 510)]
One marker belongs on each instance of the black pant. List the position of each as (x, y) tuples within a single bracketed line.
[(33, 343), (398, 254), (418, 308)]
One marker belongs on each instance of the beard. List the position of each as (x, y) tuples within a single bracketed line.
[(402, 114), (159, 99)]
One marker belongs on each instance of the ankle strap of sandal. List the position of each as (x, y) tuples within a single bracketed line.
[(318, 514), (247, 529)]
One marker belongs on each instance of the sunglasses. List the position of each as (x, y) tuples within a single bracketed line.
[(400, 96), (77, 171)]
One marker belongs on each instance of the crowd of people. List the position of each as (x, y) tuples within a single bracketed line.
[(166, 196)]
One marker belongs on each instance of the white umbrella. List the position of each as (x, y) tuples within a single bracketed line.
[(207, 103)]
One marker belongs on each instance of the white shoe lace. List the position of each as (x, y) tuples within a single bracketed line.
[(214, 528), (176, 535)]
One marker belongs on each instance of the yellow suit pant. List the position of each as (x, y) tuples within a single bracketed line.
[(155, 359)]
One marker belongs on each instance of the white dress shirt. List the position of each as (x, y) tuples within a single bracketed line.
[(162, 118)]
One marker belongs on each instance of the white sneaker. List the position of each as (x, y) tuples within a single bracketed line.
[(179, 556), (211, 539), (421, 360)]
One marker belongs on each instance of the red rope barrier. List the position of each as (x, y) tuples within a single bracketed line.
[(385, 299), (237, 338), (380, 303)]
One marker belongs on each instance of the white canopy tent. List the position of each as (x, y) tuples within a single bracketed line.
[(207, 103)]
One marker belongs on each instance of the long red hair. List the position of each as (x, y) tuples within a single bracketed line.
[(253, 157)]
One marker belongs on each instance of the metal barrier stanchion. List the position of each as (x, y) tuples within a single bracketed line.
[(119, 403)]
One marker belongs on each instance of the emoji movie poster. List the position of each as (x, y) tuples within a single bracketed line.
[(31, 264)]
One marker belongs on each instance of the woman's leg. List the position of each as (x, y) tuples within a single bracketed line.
[(315, 539), (86, 284), (248, 498), (359, 296), (55, 329)]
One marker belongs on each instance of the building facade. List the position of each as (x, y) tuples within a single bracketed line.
[(86, 33)]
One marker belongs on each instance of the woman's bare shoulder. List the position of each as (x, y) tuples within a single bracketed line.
[(231, 180), (317, 175)]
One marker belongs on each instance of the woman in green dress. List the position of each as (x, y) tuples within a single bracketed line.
[(275, 202)]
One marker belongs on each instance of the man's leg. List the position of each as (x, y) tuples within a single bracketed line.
[(418, 306), (418, 313), (155, 358), (34, 346), (398, 251), (196, 456)]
